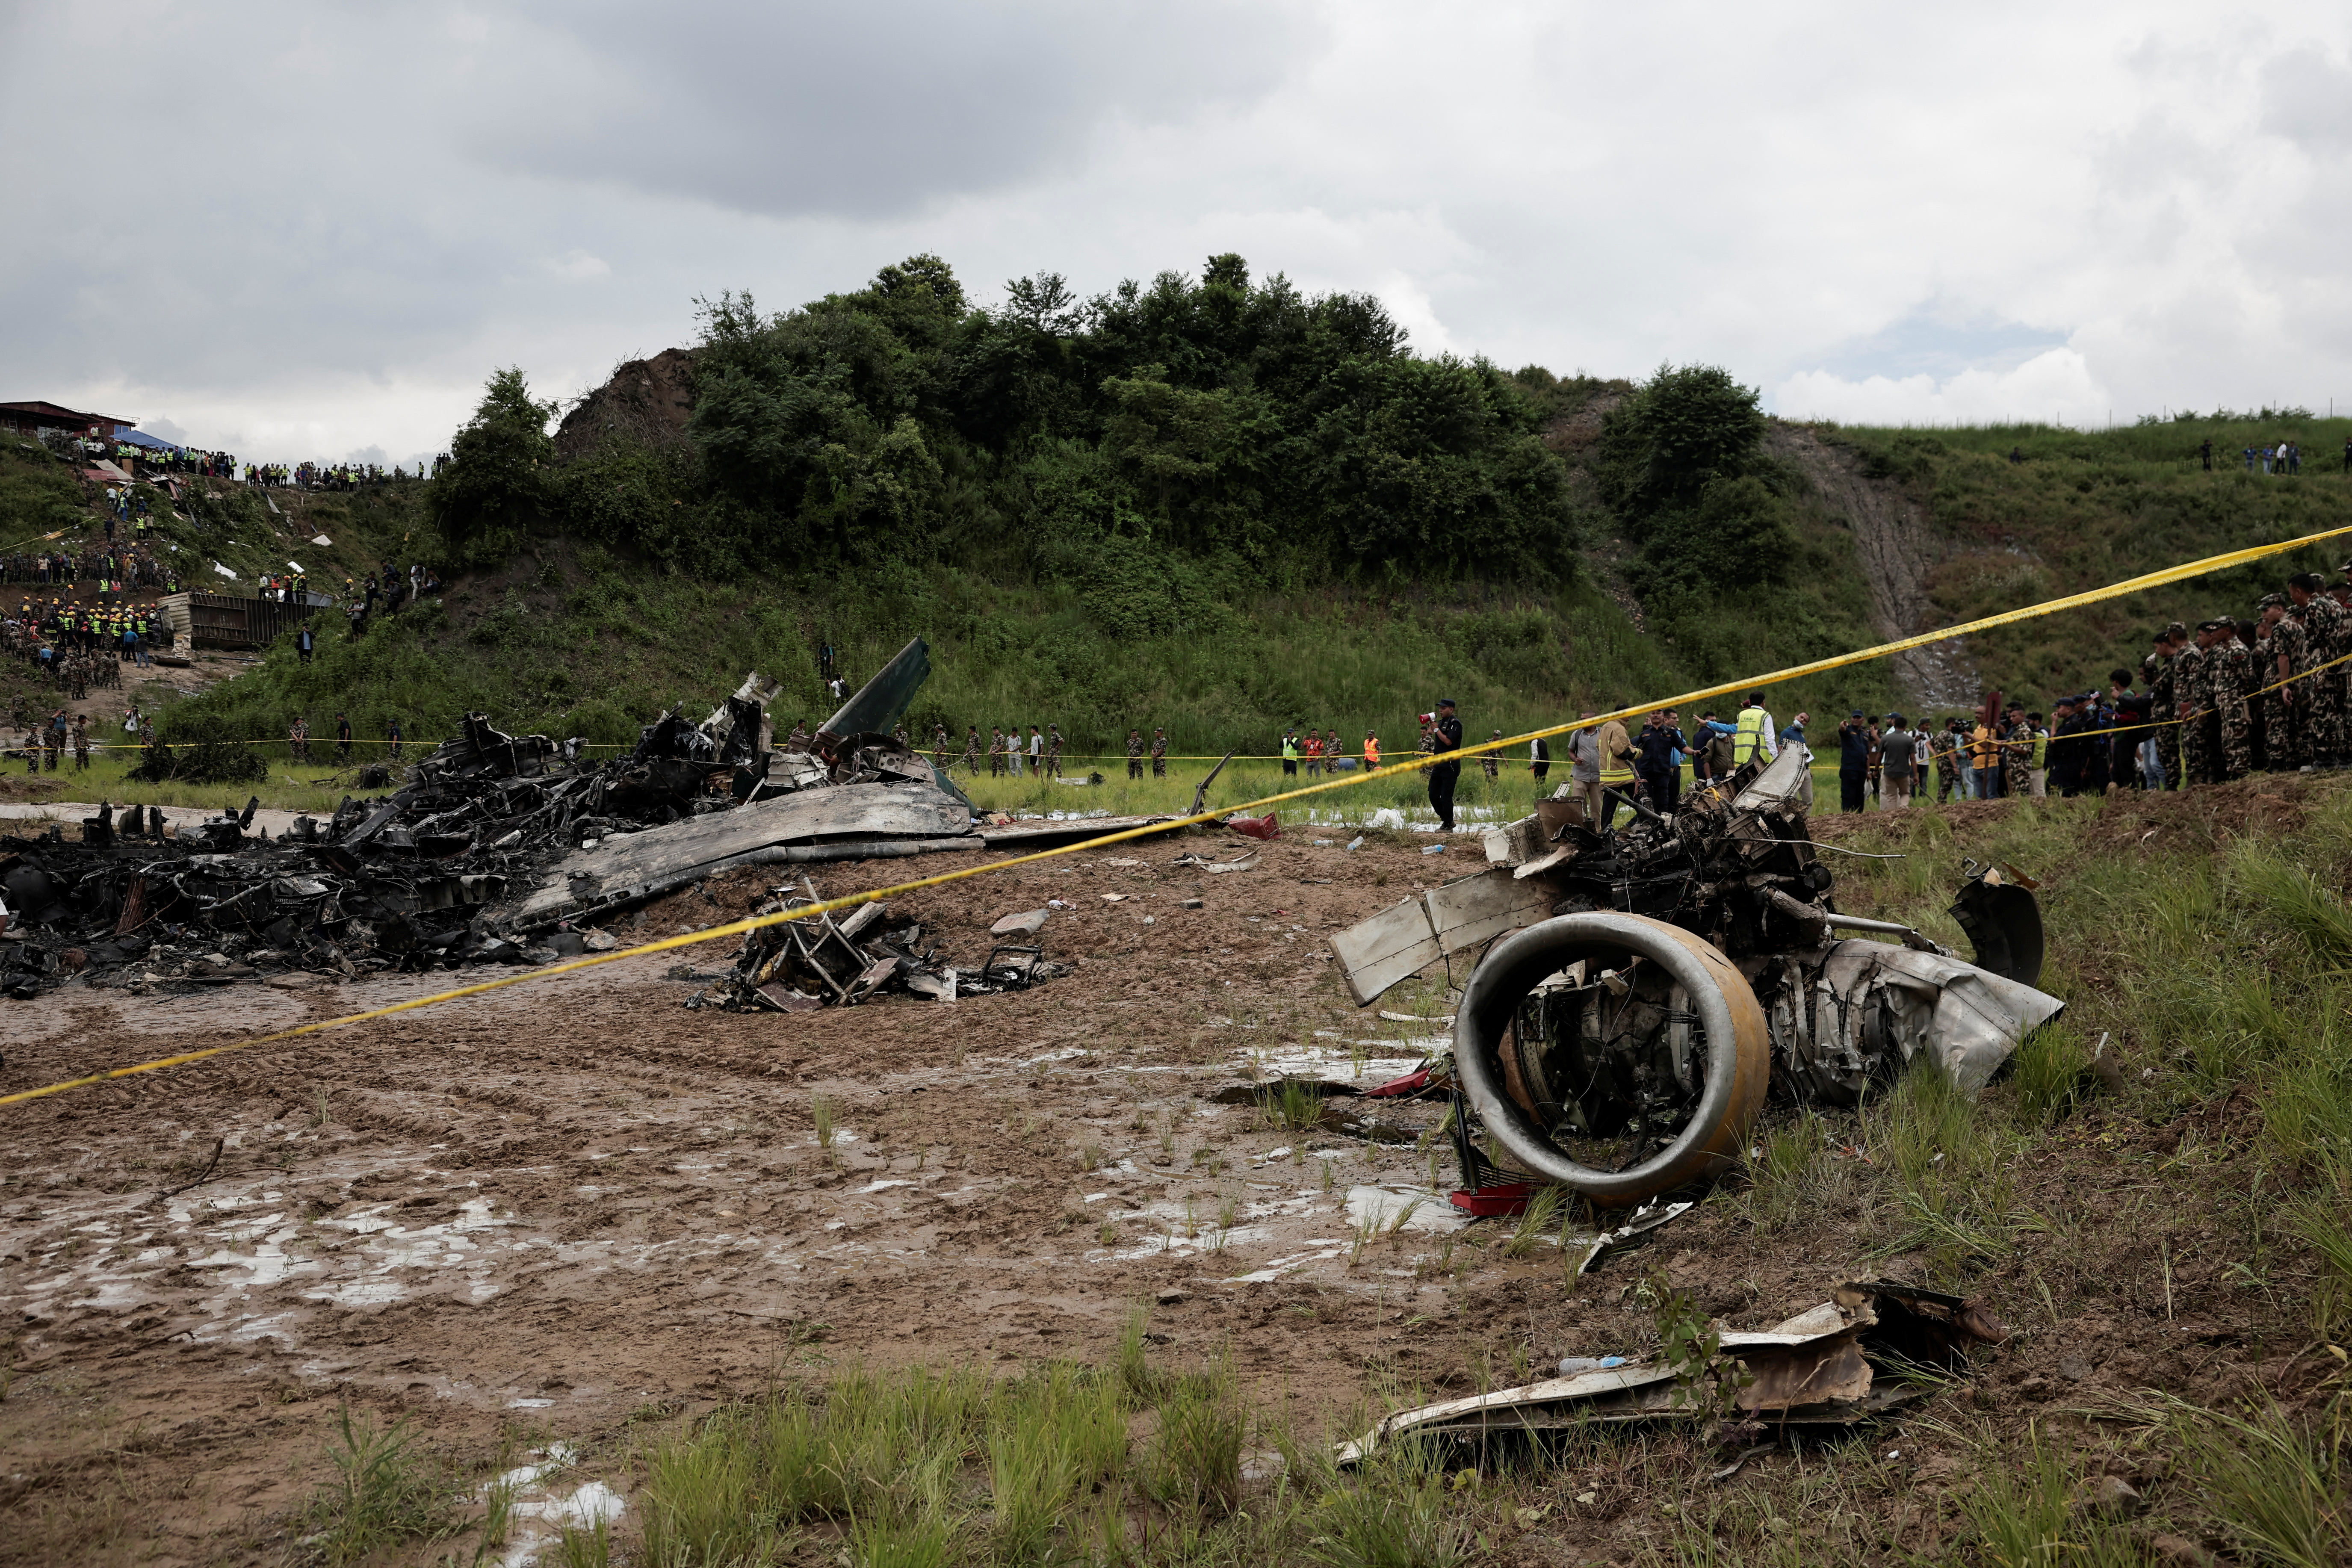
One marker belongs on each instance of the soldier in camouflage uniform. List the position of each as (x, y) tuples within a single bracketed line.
[(2278, 655), (1160, 753), (2234, 682), (1944, 745), (2016, 752), (2155, 670), (2328, 636), (972, 751), (2192, 684), (1135, 753)]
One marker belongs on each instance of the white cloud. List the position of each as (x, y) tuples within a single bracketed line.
[(578, 266), (1923, 212), (2055, 387)]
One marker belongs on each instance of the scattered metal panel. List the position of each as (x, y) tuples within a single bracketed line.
[(1818, 1368), (1472, 911), (1407, 938), (1393, 945), (2003, 924)]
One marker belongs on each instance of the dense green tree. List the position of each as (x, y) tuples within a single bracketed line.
[(1220, 417), (1682, 462), (1663, 447), (497, 479)]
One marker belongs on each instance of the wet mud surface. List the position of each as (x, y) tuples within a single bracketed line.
[(572, 1200)]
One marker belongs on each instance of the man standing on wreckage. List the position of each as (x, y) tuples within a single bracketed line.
[(1665, 976)]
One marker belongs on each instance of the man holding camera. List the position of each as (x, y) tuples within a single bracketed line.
[(1444, 735)]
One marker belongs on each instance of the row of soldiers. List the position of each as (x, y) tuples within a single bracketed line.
[(1004, 749), (2268, 691)]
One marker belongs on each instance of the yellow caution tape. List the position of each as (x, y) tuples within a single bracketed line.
[(1421, 762)]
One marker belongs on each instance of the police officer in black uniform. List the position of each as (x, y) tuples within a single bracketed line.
[(1443, 776)]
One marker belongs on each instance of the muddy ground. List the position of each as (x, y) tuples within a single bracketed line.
[(575, 1209)]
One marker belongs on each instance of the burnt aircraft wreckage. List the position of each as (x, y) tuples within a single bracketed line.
[(503, 848), (1659, 981)]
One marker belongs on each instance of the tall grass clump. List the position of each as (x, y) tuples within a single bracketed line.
[(382, 1492), (2273, 1486), (1392, 1514)]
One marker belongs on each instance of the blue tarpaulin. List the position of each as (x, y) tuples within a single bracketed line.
[(141, 439)]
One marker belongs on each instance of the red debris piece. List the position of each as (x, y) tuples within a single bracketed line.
[(1507, 1198)]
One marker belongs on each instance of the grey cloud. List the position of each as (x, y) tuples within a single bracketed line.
[(2308, 98), (860, 110)]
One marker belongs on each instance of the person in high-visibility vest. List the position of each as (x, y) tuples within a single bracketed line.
[(1753, 738), (1289, 753), (1372, 750)]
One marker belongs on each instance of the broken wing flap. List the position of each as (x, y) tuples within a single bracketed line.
[(882, 702), (1836, 1365)]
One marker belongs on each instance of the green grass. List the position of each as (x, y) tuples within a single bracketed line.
[(919, 1467), (382, 1493), (1063, 1463)]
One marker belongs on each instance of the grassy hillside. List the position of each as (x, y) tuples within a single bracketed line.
[(574, 639), (2087, 507)]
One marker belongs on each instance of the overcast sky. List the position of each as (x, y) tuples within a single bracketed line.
[(311, 231)]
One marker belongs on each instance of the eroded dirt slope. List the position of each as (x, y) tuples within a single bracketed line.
[(1898, 550)]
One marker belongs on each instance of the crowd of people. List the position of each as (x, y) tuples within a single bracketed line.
[(75, 647), (2267, 692), (46, 740), (2272, 690), (188, 461)]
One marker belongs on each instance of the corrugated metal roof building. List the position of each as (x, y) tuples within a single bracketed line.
[(33, 415)]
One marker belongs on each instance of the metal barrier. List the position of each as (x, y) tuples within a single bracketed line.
[(224, 620)]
